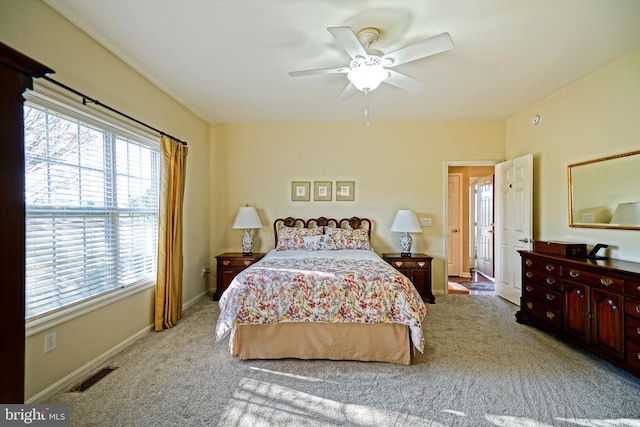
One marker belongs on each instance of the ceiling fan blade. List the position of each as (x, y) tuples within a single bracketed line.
[(319, 71), (428, 47), (349, 41), (348, 92), (404, 82)]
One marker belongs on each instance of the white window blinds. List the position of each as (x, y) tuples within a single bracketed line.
[(91, 208)]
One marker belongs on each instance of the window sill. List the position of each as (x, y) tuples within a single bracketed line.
[(46, 321)]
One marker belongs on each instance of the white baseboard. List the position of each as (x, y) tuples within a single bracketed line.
[(77, 376), (97, 363)]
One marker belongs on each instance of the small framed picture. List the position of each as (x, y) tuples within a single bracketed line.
[(322, 190), (300, 191), (345, 191)]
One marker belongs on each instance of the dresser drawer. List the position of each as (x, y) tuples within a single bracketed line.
[(552, 298), (543, 312), (236, 262), (593, 279), (409, 263), (543, 279), (632, 289), (545, 266), (632, 307), (632, 329), (633, 355)]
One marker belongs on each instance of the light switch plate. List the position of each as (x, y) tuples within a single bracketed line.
[(587, 217), (425, 222)]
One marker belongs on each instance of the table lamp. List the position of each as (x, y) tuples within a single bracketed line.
[(247, 218), (405, 222), (627, 214)]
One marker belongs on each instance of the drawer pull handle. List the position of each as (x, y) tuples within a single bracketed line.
[(638, 356), (225, 262), (551, 280), (638, 330), (551, 297), (529, 305), (638, 308), (528, 263), (574, 273), (421, 264), (398, 263), (550, 267), (528, 274), (638, 288), (550, 315), (247, 262), (606, 282), (528, 288)]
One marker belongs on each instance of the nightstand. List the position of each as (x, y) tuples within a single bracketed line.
[(417, 268), (228, 265)]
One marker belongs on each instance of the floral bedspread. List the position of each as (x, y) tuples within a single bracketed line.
[(321, 287)]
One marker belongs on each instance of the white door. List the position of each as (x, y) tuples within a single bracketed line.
[(513, 223), (484, 227), (454, 234)]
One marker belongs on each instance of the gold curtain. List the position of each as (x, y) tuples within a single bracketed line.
[(168, 308)]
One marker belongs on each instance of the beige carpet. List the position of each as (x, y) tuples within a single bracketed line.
[(480, 368)]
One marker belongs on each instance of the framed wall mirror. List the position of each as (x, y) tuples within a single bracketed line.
[(605, 192)]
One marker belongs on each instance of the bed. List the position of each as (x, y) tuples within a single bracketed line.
[(322, 293)]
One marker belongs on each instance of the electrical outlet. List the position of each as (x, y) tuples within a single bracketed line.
[(204, 271), (50, 342), (425, 222)]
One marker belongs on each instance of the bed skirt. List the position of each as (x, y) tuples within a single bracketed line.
[(388, 342)]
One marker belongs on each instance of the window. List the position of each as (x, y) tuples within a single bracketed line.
[(91, 207)]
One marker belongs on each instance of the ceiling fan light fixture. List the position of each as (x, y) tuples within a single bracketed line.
[(368, 67), (366, 75)]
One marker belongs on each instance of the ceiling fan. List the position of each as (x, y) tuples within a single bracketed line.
[(370, 67)]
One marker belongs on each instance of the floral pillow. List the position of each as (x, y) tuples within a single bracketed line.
[(319, 243), (349, 239), (292, 238)]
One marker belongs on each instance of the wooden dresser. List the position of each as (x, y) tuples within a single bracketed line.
[(594, 303)]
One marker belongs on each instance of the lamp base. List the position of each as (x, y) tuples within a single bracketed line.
[(247, 243), (405, 254), (405, 244), (247, 253)]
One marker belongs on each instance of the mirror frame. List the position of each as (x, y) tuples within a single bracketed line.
[(570, 192)]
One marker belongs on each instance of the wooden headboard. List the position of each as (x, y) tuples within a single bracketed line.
[(352, 223)]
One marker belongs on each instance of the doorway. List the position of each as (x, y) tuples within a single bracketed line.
[(474, 202), (483, 230)]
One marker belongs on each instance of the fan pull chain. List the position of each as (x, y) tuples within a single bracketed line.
[(366, 107)]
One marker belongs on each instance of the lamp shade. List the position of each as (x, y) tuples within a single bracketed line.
[(247, 218), (627, 214), (406, 222)]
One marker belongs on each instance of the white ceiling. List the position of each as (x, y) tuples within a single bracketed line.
[(227, 60)]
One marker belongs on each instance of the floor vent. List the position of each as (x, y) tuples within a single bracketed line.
[(88, 382)]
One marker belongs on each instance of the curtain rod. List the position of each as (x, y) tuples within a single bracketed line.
[(86, 99)]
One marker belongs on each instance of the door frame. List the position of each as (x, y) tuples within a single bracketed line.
[(445, 213)]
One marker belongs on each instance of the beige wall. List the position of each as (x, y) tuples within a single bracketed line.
[(394, 166), (33, 28), (595, 117)]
